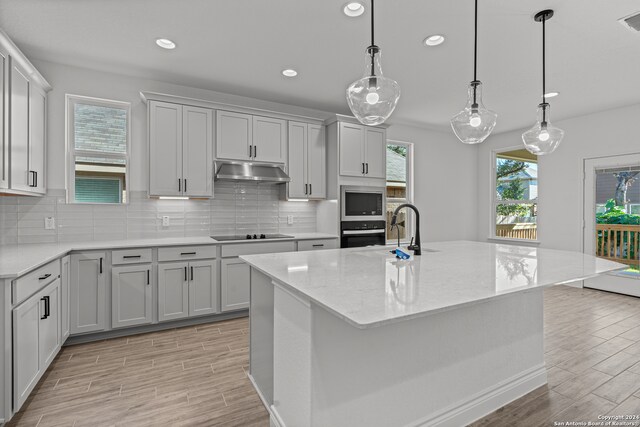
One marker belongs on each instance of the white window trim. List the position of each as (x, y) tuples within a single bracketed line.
[(409, 191), (494, 202), (71, 152)]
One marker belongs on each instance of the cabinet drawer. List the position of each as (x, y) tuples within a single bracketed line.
[(182, 253), (30, 283), (256, 248), (130, 256), (316, 245)]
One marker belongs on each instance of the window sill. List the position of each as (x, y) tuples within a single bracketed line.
[(508, 240)]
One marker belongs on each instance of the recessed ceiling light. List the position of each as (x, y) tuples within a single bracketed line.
[(165, 43), (289, 72), (353, 9), (434, 40), (551, 94)]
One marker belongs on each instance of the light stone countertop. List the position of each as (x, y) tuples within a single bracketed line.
[(369, 287), (16, 260)]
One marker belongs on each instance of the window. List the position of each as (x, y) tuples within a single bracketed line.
[(399, 190), (98, 149), (515, 195)]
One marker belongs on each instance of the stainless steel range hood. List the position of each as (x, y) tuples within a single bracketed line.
[(237, 171)]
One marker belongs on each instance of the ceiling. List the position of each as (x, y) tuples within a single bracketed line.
[(240, 47)]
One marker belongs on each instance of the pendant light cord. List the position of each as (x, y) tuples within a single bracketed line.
[(475, 44), (372, 43), (544, 79), (373, 50)]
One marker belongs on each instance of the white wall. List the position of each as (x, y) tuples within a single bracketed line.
[(560, 186), (80, 81), (445, 173)]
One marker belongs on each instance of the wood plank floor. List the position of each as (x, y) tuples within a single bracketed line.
[(196, 376)]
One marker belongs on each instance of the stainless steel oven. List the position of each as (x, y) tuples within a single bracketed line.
[(362, 203), (355, 234)]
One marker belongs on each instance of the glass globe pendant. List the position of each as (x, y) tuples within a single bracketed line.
[(543, 138), (373, 98), (474, 123)]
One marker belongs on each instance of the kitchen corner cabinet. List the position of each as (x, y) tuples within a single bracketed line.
[(246, 137), (88, 293), (180, 150), (131, 295), (307, 161), (36, 340), (187, 289), (362, 151)]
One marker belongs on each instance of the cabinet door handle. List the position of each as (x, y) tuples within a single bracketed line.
[(255, 151), (310, 189), (362, 168), (46, 276), (185, 185), (250, 151), (367, 168), (148, 274), (35, 184), (185, 273), (32, 175), (192, 273), (305, 189), (131, 256), (100, 265), (179, 185), (44, 316)]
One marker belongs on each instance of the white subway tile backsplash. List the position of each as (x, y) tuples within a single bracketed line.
[(237, 208)]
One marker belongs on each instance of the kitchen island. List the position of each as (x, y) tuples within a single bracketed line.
[(355, 337)]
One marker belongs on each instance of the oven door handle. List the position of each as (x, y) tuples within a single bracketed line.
[(352, 232)]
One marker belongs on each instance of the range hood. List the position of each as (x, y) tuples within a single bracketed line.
[(238, 171)]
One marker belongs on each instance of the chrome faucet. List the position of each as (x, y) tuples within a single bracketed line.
[(415, 247)]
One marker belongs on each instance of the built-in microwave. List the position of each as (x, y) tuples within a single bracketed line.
[(362, 203)]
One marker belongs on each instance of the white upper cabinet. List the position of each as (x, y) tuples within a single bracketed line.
[(4, 143), (234, 136), (23, 123), (180, 150), (362, 151), (307, 161), (269, 139), (246, 137), (165, 149), (19, 130), (197, 151)]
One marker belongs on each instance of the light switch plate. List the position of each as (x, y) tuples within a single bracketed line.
[(49, 223), (165, 221), (289, 219)]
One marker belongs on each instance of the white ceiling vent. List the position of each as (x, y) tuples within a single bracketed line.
[(632, 21)]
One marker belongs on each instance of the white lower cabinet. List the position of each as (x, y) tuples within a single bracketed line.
[(236, 278), (131, 295), (187, 289), (88, 293), (36, 340), (65, 281)]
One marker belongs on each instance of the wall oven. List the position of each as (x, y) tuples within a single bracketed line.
[(355, 234), (362, 203)]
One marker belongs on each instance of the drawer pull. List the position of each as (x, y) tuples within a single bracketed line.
[(46, 276), (318, 246), (185, 274), (131, 256), (187, 253), (148, 274), (46, 307)]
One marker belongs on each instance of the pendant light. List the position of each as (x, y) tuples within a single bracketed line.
[(543, 138), (373, 98), (474, 123)]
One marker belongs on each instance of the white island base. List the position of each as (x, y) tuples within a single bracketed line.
[(446, 369)]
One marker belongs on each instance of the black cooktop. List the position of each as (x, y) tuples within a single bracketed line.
[(251, 237)]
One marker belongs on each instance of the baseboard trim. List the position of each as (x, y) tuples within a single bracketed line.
[(486, 401), (274, 418), (161, 326)]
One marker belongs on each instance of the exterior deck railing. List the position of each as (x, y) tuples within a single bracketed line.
[(619, 242), (522, 230)]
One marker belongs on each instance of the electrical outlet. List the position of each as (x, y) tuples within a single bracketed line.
[(289, 219), (165, 221), (49, 223)]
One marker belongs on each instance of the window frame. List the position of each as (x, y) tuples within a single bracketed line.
[(71, 152), (493, 179), (409, 188)]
